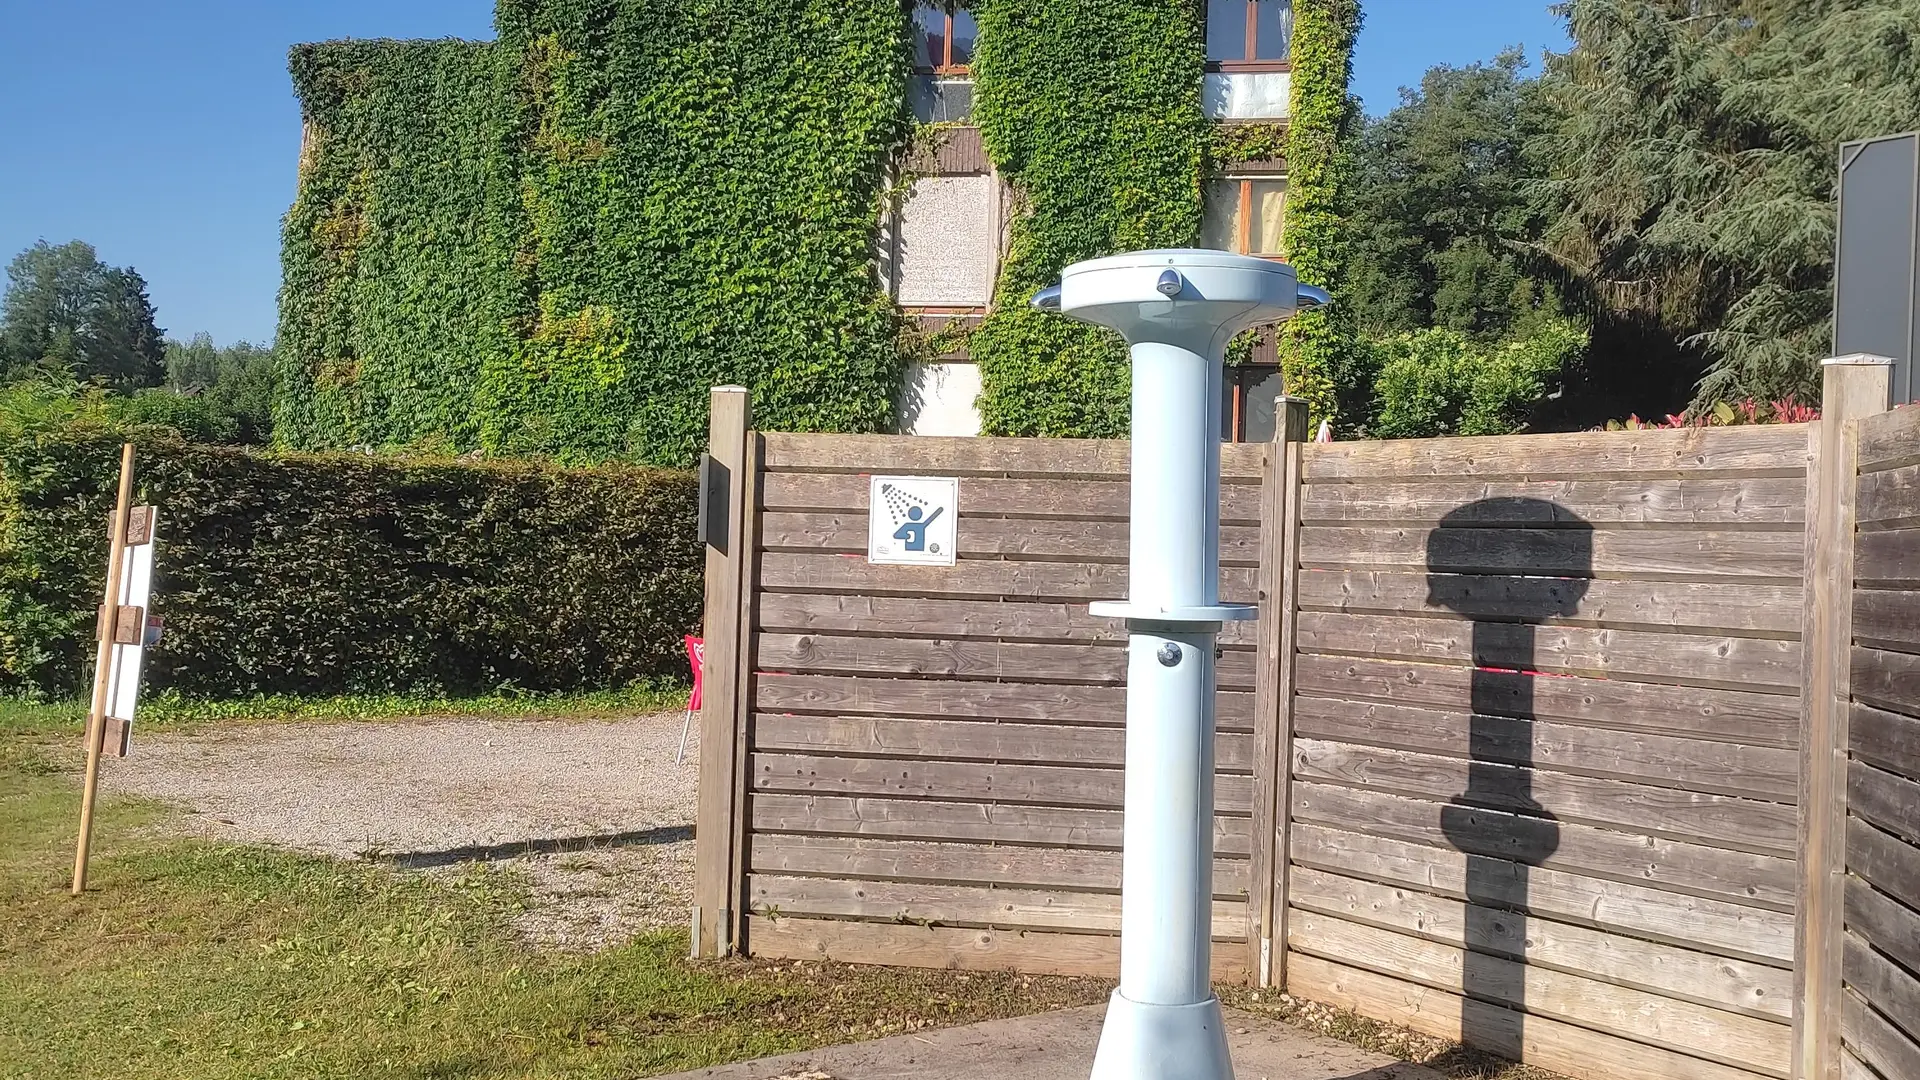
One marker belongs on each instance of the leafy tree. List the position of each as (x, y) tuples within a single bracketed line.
[(1443, 220), (1442, 382), (231, 389), (65, 309)]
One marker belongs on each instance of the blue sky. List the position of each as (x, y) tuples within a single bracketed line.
[(165, 133)]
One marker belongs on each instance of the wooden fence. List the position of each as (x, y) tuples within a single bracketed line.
[(1523, 751)]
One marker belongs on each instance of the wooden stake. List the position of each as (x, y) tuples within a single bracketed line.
[(103, 667)]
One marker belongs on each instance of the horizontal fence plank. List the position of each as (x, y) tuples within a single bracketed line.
[(958, 905), (983, 537), (1740, 877), (1718, 926), (955, 948), (1689, 554), (967, 658), (1889, 496), (944, 455), (975, 455), (1887, 618), (848, 695), (1890, 440), (1700, 712), (1681, 454), (1890, 989), (1684, 659), (1025, 743), (1888, 679), (1883, 922), (965, 781), (1065, 497), (1561, 502), (1058, 581), (914, 616), (1696, 1030), (1887, 800), (1876, 1041), (1729, 606), (1883, 860), (960, 864), (1712, 820), (1887, 559), (1538, 1040), (999, 823), (1690, 764), (1754, 989)]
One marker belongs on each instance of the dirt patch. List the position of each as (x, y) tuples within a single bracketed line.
[(596, 812)]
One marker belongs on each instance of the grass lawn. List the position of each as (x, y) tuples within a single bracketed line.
[(195, 960)]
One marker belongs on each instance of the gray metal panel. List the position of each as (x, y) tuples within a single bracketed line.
[(1879, 251)]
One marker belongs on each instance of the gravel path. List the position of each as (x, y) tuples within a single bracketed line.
[(596, 811)]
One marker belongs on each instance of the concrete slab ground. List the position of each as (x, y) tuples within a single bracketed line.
[(1059, 1046)]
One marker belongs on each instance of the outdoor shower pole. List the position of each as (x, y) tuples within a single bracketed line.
[(1177, 310)]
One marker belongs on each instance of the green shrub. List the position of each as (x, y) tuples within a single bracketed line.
[(344, 574), (1441, 382)]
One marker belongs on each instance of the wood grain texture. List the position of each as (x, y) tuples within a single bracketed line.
[(1736, 663), (1887, 679), (1753, 989), (1887, 618), (1876, 1041), (1672, 554), (952, 456), (1726, 715), (1888, 559), (970, 740), (1884, 861), (1730, 1038), (1273, 693), (997, 823), (845, 533), (954, 948), (1777, 450), (966, 658), (1883, 922), (1889, 497), (1691, 501), (852, 695), (1064, 497), (1691, 817), (966, 781), (1893, 991), (917, 617), (1051, 581), (1890, 440), (1538, 1040), (957, 905), (1887, 800), (1739, 877), (1702, 765), (961, 864), (1729, 607), (1717, 926)]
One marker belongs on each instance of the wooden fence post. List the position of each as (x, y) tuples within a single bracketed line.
[(1273, 695), (723, 502), (1854, 387)]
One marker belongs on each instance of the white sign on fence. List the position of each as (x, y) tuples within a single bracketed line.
[(913, 520)]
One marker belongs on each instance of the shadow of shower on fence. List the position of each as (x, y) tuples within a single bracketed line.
[(1509, 565)]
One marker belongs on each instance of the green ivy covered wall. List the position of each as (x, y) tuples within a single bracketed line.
[(554, 244)]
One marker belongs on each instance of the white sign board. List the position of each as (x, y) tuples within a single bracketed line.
[(136, 590), (913, 520)]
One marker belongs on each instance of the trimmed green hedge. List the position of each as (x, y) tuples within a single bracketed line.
[(344, 574)]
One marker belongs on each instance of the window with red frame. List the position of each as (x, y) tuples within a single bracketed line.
[(941, 90), (1249, 35)]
